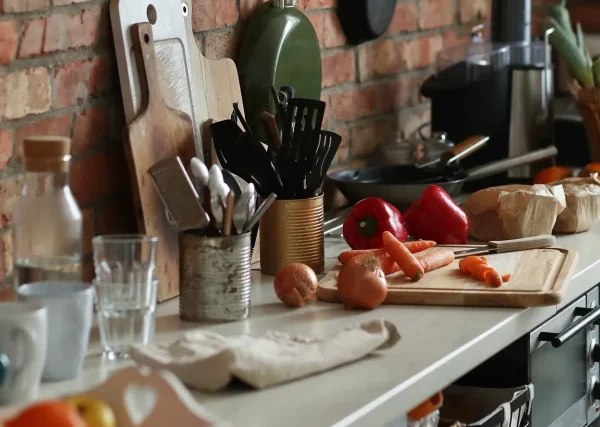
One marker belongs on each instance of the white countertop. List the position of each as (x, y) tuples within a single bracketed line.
[(438, 345)]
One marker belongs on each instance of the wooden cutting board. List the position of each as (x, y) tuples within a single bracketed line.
[(156, 133), (539, 278), (180, 88)]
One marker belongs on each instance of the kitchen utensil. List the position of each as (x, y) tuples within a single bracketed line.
[(502, 246), (458, 152), (200, 173), (329, 143), (178, 194), (232, 181), (158, 132), (241, 210), (539, 277), (176, 79), (401, 185), (364, 20), (279, 46), (416, 149), (228, 215), (23, 340), (262, 209), (218, 193), (271, 131), (126, 283), (70, 308)]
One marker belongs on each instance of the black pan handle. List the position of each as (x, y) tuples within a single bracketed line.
[(512, 162), (588, 316)]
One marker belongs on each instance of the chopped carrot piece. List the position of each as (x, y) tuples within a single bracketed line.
[(405, 260), (506, 277), (436, 259)]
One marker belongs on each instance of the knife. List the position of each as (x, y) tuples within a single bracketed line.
[(503, 246)]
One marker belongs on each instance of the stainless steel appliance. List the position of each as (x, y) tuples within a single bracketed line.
[(560, 358)]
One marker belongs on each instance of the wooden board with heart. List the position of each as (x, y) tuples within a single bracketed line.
[(539, 278)]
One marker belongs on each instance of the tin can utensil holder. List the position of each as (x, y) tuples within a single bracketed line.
[(291, 231), (215, 277)]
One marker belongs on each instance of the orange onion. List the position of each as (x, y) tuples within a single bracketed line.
[(295, 284), (362, 285)]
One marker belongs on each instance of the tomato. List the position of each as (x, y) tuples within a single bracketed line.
[(47, 414)]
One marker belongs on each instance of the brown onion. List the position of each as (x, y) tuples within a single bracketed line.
[(362, 285), (295, 284)]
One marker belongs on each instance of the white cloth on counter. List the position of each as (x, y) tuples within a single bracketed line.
[(205, 360)]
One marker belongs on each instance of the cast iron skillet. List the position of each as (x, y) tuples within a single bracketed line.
[(364, 20), (400, 185)]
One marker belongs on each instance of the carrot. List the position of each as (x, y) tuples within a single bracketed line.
[(481, 271), (505, 278), (405, 260), (413, 247), (493, 278), (388, 265), (472, 263), (435, 259)]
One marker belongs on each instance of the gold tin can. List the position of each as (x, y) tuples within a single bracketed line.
[(291, 231)]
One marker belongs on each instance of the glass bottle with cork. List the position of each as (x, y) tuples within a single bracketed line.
[(47, 222)]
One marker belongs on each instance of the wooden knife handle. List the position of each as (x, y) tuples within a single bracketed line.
[(143, 43), (525, 243), (465, 148)]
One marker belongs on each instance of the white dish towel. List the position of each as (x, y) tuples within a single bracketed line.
[(208, 361)]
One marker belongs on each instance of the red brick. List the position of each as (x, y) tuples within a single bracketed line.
[(59, 126), (367, 136), (317, 22), (98, 176), (221, 43), (24, 92), (91, 128), (401, 92), (333, 35), (23, 5), (209, 14), (9, 39), (380, 58), (354, 103), (75, 81), (87, 231), (454, 37), (436, 13), (326, 100), (471, 10), (315, 4), (66, 32), (6, 256), (421, 52), (32, 38), (10, 191), (57, 33), (6, 147), (65, 2), (405, 18), (338, 68), (343, 151), (248, 7)]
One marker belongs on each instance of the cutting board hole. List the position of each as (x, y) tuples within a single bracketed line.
[(185, 9), (146, 38), (152, 15)]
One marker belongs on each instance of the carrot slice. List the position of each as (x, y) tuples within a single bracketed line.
[(405, 260), (436, 259), (385, 260), (472, 263), (493, 278), (481, 270), (413, 247), (506, 277)]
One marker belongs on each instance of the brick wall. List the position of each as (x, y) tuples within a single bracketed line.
[(58, 76)]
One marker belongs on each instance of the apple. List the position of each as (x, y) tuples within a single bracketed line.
[(92, 411)]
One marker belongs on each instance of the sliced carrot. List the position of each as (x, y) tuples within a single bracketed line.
[(481, 271), (506, 278), (388, 265), (413, 247), (462, 265), (405, 260), (473, 263), (493, 278), (435, 259)]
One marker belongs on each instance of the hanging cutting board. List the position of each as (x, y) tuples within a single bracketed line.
[(180, 89), (156, 133), (217, 82), (539, 278)]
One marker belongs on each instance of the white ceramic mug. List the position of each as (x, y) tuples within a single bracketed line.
[(70, 311), (23, 340)]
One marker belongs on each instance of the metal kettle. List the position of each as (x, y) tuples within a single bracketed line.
[(417, 149)]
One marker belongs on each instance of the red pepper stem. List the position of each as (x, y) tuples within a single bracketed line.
[(367, 226)]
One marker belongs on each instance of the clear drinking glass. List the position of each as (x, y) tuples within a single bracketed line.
[(125, 291)]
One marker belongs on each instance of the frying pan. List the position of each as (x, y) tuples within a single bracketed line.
[(402, 184)]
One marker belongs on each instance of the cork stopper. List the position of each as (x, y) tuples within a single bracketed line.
[(46, 153)]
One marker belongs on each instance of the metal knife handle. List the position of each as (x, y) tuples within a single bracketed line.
[(513, 162), (525, 243)]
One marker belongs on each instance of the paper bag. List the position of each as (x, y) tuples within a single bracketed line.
[(514, 211), (582, 196)]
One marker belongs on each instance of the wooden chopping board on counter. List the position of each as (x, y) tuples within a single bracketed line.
[(180, 88), (540, 277), (157, 133)]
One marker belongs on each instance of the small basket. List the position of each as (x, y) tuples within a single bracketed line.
[(291, 231), (215, 277), (588, 101)]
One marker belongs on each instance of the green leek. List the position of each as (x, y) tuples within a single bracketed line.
[(571, 54)]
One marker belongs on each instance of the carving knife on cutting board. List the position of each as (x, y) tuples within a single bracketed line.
[(503, 246), (179, 88), (158, 132)]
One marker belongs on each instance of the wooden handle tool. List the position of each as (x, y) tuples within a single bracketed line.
[(515, 245)]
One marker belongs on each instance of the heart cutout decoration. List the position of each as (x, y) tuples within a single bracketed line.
[(139, 403)]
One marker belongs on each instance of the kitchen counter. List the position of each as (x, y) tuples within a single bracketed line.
[(438, 345)]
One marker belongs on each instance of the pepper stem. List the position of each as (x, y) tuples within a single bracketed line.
[(367, 226)]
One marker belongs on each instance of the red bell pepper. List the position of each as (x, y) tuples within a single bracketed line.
[(435, 216), (367, 221)]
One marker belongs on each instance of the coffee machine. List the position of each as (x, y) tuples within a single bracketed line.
[(502, 88)]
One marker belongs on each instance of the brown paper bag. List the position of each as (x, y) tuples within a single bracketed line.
[(588, 101), (582, 196)]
